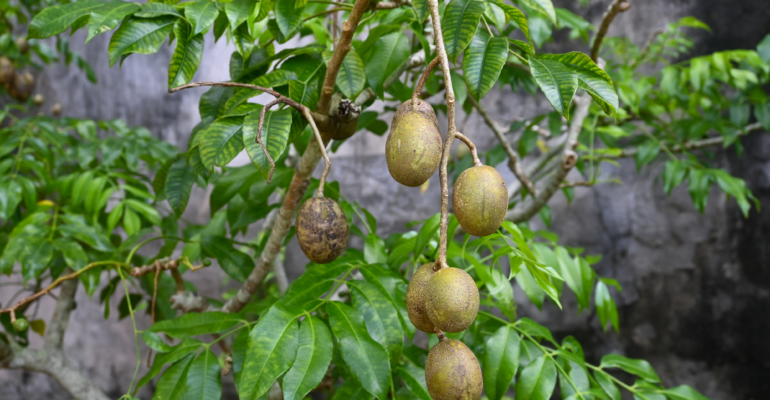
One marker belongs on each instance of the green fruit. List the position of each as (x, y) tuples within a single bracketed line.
[(413, 149), (452, 300), (415, 298), (20, 325), (322, 229), (480, 200), (452, 372)]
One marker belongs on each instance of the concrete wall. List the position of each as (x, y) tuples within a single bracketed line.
[(695, 300)]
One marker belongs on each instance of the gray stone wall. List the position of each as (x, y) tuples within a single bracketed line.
[(696, 286)]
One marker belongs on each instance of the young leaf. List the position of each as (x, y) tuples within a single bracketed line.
[(108, 16), (272, 349), (143, 36), (173, 383), (537, 381), (461, 18), (275, 136), (55, 20), (367, 360), (352, 75), (187, 55), (501, 360), (483, 61), (380, 315), (428, 230), (606, 307), (388, 53), (221, 141), (201, 14), (557, 82), (178, 185), (204, 381), (193, 324), (313, 357), (640, 368)]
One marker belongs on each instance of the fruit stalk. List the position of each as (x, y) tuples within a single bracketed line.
[(450, 104), (423, 78), (306, 113), (474, 153)]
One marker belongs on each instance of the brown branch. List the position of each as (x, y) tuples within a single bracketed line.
[(513, 159), (573, 184), (476, 161), (154, 298), (329, 11), (616, 7), (57, 326), (423, 78), (304, 169), (450, 104), (647, 47)]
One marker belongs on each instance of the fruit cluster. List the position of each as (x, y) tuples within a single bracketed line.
[(18, 84)]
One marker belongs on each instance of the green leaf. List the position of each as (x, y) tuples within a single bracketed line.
[(173, 383), (55, 20), (698, 186), (591, 78), (501, 360), (238, 11), (272, 349), (367, 359), (153, 341), (187, 55), (607, 385), (606, 307), (393, 285), (77, 227), (352, 75), (152, 10), (314, 355), (108, 16), (178, 185), (73, 253), (201, 14), (461, 18), (314, 282), (640, 368), (143, 36), (177, 353), (192, 324), (577, 274), (288, 17), (557, 82), (213, 103), (521, 20), (237, 264), (427, 232), (414, 377), (684, 392), (543, 6), (388, 53), (10, 197), (221, 141), (351, 390), (204, 381), (38, 252), (381, 317), (483, 61), (275, 136), (537, 380), (421, 9)]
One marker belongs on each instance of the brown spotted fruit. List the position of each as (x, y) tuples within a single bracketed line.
[(22, 86), (452, 372), (415, 298), (451, 300), (322, 229), (6, 70), (480, 200), (413, 149)]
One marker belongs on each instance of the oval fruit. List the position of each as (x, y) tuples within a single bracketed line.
[(322, 229), (480, 200), (452, 372), (415, 298), (452, 300), (6, 70), (413, 149)]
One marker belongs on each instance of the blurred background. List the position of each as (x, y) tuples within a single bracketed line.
[(696, 298)]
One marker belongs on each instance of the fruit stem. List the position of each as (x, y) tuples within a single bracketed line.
[(309, 117), (476, 161), (423, 78), (441, 335), (450, 103)]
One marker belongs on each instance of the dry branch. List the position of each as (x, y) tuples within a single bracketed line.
[(616, 7)]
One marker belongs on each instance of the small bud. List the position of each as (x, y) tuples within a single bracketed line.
[(56, 109), (38, 99), (20, 325), (207, 262)]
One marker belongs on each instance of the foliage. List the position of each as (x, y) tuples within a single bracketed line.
[(76, 198)]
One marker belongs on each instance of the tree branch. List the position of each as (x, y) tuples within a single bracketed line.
[(513, 159), (54, 335), (616, 7), (305, 167), (569, 159)]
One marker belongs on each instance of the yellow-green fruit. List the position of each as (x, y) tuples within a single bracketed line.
[(6, 70), (452, 300), (452, 372), (322, 229), (480, 200), (413, 149), (38, 99), (22, 86), (22, 44), (415, 298), (56, 109)]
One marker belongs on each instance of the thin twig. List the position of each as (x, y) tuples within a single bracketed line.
[(616, 7), (647, 47), (154, 298), (423, 79), (513, 159), (573, 184), (322, 147), (476, 161), (450, 104), (329, 11)]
